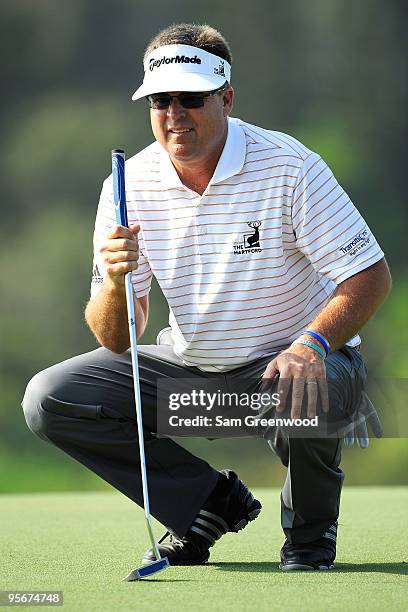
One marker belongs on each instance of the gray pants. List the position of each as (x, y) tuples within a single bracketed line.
[(85, 407)]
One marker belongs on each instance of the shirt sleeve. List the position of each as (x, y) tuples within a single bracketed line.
[(329, 229), (105, 220)]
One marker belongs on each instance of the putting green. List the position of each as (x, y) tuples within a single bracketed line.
[(85, 543)]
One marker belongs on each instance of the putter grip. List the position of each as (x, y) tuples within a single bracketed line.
[(119, 192)]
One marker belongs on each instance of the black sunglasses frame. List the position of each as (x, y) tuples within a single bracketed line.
[(187, 100)]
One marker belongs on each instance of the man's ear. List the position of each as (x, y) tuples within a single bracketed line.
[(228, 100)]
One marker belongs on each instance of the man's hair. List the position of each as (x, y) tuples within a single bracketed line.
[(202, 36)]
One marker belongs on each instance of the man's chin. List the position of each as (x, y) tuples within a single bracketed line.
[(182, 153)]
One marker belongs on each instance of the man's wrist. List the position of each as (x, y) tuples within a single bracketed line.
[(310, 344), (115, 287), (316, 336), (317, 339)]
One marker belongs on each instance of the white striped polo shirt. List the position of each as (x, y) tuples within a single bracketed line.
[(249, 264)]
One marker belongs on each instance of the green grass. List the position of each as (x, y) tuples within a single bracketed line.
[(84, 543)]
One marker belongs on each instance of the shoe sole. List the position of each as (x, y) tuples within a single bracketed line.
[(201, 561), (252, 512), (302, 567)]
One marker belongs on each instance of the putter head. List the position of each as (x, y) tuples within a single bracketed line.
[(148, 570)]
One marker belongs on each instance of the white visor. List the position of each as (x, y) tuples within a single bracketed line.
[(182, 68)]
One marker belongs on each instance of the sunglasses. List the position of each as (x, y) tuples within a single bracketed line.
[(162, 101)]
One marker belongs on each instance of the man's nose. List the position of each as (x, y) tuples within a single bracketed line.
[(175, 108)]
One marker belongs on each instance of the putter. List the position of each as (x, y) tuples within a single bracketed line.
[(119, 196)]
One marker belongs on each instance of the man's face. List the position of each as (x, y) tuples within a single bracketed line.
[(192, 135)]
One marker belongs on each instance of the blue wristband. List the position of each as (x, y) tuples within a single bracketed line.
[(311, 345), (320, 338)]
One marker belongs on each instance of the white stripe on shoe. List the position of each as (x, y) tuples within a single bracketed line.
[(215, 517), (203, 533), (209, 526)]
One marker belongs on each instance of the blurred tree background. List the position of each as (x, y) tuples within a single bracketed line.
[(332, 73)]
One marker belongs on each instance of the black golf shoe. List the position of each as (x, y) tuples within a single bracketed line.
[(317, 555), (230, 507)]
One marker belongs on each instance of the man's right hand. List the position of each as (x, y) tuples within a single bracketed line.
[(120, 253)]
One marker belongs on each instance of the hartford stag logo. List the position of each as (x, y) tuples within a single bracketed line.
[(220, 70), (250, 240)]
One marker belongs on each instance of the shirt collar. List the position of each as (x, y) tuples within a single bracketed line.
[(230, 163)]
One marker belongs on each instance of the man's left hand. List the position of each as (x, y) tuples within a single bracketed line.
[(304, 369)]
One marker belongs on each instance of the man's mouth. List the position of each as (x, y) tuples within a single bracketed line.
[(180, 130)]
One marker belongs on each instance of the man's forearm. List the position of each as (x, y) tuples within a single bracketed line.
[(352, 304), (106, 315)]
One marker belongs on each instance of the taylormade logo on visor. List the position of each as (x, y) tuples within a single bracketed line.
[(178, 59)]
